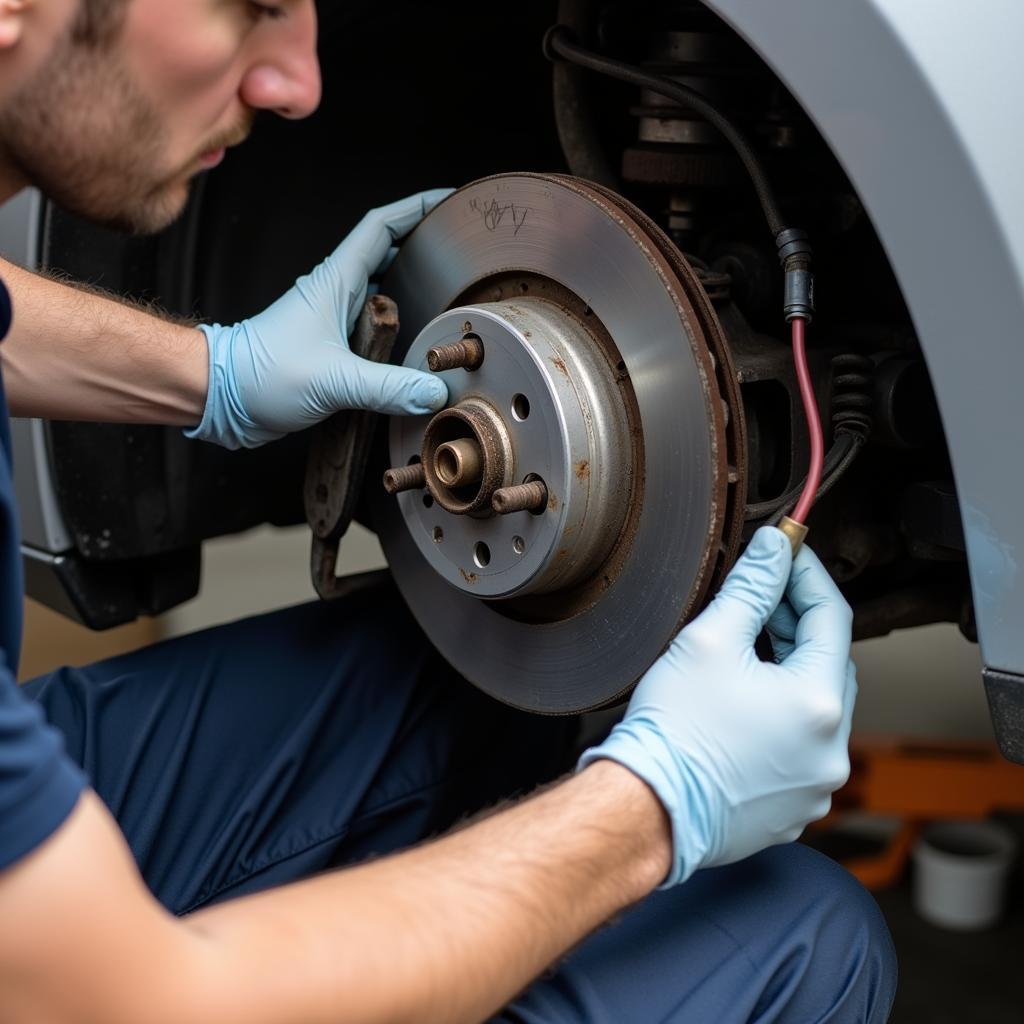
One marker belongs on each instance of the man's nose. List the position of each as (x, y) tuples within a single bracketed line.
[(289, 91), (286, 76)]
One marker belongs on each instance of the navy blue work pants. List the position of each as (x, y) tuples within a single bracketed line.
[(258, 753)]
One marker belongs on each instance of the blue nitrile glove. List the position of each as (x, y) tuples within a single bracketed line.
[(290, 366), (743, 753)]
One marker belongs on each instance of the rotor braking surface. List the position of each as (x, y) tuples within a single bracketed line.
[(569, 509)]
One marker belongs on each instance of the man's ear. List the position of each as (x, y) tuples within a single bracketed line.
[(12, 21)]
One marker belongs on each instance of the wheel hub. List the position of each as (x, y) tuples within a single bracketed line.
[(542, 407)]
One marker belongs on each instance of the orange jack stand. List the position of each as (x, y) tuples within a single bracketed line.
[(919, 781)]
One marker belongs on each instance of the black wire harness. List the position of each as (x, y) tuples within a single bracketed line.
[(851, 427), (793, 247), (844, 450), (792, 243), (559, 43)]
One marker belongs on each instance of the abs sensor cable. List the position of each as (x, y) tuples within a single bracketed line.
[(792, 243)]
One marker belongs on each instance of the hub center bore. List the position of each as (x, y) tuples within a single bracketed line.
[(525, 476), (467, 456), (458, 463)]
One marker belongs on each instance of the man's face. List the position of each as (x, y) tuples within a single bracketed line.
[(115, 131)]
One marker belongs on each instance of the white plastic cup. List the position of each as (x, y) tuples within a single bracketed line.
[(960, 873)]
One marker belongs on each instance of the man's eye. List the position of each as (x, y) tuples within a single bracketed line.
[(266, 10)]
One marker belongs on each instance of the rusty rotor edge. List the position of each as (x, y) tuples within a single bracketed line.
[(731, 469), (714, 368)]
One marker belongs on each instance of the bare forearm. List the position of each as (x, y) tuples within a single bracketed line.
[(449, 931), (74, 354)]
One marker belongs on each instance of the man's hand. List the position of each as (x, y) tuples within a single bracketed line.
[(744, 754), (290, 366), (78, 354)]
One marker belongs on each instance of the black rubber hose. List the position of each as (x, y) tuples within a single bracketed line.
[(838, 460), (560, 42), (828, 482), (574, 116), (764, 509)]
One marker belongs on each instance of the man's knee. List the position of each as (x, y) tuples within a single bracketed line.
[(826, 953), (784, 936)]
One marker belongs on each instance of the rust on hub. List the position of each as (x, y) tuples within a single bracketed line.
[(531, 497), (467, 354), (405, 478), (459, 463), (467, 456)]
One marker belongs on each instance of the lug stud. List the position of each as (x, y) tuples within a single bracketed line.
[(468, 354), (530, 497), (405, 478)]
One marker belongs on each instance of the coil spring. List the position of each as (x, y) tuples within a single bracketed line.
[(851, 393)]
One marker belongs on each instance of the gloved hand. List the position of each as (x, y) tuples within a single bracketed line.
[(290, 366), (743, 754)]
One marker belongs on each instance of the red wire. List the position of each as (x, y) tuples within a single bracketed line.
[(803, 506)]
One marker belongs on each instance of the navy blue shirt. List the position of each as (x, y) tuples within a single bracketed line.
[(39, 784)]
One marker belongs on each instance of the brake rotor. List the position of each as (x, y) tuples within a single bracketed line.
[(603, 381)]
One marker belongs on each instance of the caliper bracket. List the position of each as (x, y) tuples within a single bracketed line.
[(339, 451)]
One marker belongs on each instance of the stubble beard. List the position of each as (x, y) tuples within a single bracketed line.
[(82, 133)]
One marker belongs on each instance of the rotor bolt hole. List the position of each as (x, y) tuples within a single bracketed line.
[(481, 555), (438, 535), (523, 287), (518, 545), (428, 501), (520, 407)]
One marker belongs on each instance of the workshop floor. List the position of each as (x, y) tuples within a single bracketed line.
[(949, 977)]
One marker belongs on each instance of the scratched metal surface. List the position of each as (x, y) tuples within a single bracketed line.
[(542, 225)]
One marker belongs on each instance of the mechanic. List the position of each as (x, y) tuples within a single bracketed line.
[(168, 818)]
